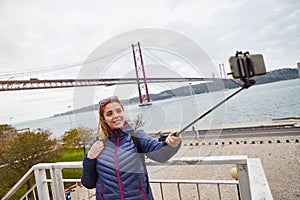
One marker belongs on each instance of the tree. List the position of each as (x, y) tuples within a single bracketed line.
[(30, 148), (86, 135), (78, 137), (7, 130), (71, 138), (138, 122), (7, 133), (23, 150)]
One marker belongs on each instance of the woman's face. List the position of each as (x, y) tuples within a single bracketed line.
[(114, 115)]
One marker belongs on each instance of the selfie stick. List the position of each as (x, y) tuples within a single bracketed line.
[(247, 84), (245, 67)]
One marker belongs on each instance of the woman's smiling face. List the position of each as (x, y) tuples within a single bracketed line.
[(114, 115)]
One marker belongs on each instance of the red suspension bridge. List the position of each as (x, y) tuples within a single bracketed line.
[(141, 80)]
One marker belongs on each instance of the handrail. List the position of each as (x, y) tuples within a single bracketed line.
[(210, 160)]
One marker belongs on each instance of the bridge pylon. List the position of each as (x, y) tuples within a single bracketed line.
[(144, 96)]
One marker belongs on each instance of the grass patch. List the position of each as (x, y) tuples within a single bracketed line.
[(72, 154), (69, 155), (72, 173)]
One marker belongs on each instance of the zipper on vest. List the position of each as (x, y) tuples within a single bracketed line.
[(117, 165), (142, 191), (102, 193)]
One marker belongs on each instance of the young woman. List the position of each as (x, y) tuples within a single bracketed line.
[(114, 163)]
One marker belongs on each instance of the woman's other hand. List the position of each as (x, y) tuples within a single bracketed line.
[(95, 149), (173, 140)]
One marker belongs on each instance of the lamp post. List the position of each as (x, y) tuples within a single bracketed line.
[(193, 107), (69, 108), (223, 73), (220, 69)]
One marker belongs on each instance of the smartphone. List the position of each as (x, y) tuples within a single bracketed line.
[(247, 66)]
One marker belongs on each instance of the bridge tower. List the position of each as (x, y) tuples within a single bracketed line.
[(144, 96)]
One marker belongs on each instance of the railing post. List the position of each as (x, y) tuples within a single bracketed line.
[(57, 185), (259, 184), (42, 187), (244, 181)]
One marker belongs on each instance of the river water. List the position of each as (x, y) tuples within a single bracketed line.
[(259, 103)]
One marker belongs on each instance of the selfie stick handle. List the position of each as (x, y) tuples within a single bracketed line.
[(207, 112)]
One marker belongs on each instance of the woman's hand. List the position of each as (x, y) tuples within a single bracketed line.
[(172, 140), (95, 149)]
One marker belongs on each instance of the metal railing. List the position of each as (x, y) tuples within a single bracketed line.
[(251, 184)]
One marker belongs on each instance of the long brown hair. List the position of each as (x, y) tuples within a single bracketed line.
[(103, 128)]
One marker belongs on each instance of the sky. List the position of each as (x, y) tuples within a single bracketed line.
[(49, 34)]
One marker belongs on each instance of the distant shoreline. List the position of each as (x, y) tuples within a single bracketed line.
[(276, 123), (270, 77)]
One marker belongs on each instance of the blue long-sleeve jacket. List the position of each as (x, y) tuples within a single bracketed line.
[(117, 172)]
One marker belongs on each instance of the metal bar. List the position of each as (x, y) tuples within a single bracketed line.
[(42, 187), (144, 74), (257, 180), (34, 195), (244, 181), (238, 191), (31, 190), (161, 191), (179, 193), (230, 182), (207, 112), (57, 185), (210, 160), (223, 182), (137, 74), (218, 186), (198, 191)]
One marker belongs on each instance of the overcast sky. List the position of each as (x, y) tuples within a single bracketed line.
[(39, 34)]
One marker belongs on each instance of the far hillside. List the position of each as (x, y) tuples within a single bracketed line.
[(278, 75), (271, 76)]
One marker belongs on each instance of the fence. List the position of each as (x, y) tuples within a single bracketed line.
[(251, 184)]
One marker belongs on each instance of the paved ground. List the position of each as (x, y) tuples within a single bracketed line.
[(277, 147), (244, 133), (280, 156)]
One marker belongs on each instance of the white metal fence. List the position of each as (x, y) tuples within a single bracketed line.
[(252, 182)]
